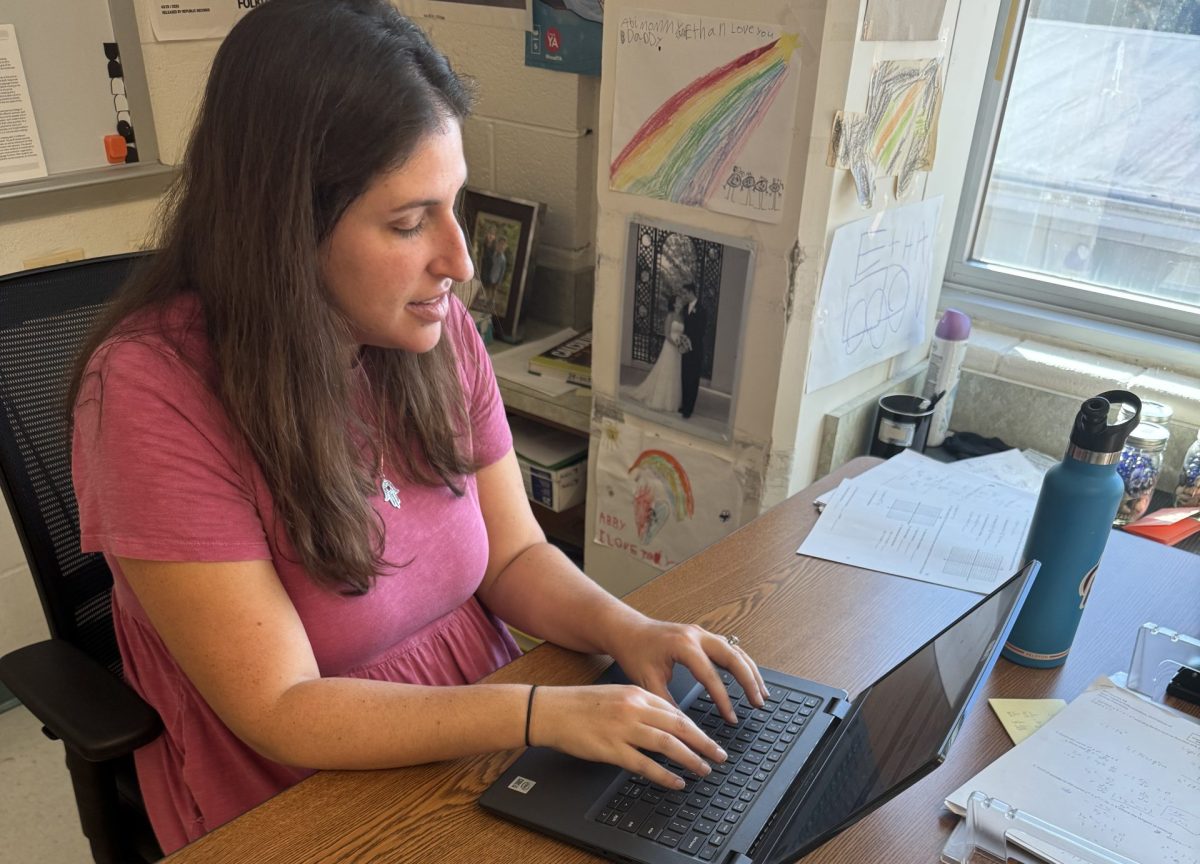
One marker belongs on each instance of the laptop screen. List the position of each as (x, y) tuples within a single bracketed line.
[(902, 726)]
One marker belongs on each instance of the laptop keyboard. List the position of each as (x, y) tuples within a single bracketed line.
[(698, 819)]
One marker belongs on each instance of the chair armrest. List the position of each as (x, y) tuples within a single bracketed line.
[(80, 702)]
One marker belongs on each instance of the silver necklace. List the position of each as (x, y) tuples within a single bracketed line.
[(390, 493)]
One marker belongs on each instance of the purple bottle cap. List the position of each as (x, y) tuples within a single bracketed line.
[(954, 326)]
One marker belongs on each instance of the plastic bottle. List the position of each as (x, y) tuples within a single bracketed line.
[(1069, 531), (946, 355)]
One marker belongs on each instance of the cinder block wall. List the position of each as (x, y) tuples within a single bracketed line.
[(532, 137)]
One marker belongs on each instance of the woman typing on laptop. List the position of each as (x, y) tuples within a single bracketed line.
[(290, 447)]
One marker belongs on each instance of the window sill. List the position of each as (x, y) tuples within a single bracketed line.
[(1120, 343), (1051, 351)]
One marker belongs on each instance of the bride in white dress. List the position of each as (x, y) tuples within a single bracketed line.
[(662, 389)]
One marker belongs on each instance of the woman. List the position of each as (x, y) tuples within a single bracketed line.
[(289, 446), (662, 389)]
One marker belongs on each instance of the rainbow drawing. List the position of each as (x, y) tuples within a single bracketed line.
[(897, 135), (674, 479), (683, 152), (906, 98)]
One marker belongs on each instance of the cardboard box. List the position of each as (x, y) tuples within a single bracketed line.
[(557, 489), (553, 463)]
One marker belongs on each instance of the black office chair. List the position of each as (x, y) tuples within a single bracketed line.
[(72, 682)]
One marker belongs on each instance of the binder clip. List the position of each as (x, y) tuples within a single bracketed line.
[(1165, 663), (994, 832)]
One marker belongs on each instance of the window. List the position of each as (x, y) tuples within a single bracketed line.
[(1084, 187)]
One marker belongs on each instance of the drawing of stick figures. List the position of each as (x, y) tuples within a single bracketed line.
[(776, 189), (748, 185), (734, 181), (761, 188)]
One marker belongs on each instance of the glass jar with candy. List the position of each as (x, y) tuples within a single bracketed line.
[(1140, 467), (1187, 491)]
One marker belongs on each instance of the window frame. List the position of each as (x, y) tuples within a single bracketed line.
[(1096, 317)]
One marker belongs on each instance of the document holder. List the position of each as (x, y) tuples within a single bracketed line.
[(1159, 656), (994, 832)]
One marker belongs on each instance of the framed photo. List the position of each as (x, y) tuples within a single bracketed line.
[(681, 331), (502, 233)]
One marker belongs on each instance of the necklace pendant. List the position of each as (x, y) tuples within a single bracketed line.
[(390, 493)]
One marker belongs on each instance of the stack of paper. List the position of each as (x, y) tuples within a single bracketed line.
[(512, 364), (915, 517), (1010, 467), (1113, 768)]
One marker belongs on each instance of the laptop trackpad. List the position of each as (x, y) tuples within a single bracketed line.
[(548, 781)]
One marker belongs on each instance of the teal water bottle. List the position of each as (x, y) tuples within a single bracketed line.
[(1070, 528)]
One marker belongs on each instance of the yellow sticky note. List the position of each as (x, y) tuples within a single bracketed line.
[(1023, 717)]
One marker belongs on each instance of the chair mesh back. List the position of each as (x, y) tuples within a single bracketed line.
[(44, 316)]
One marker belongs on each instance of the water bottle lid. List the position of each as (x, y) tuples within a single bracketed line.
[(1093, 432)]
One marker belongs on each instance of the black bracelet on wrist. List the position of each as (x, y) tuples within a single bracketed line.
[(529, 713)]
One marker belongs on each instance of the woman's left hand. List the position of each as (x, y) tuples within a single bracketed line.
[(650, 649)]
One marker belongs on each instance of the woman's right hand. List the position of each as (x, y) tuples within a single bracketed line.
[(615, 723)]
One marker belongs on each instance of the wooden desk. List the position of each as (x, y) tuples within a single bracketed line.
[(813, 618)]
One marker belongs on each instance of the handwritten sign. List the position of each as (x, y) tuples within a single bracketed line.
[(874, 292)]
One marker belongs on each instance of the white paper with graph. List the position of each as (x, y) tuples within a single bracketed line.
[(914, 517)]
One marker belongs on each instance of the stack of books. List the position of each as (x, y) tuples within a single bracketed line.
[(569, 360)]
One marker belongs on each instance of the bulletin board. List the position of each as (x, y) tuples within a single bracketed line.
[(78, 96)]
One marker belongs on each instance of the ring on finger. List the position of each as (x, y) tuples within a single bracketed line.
[(733, 641)]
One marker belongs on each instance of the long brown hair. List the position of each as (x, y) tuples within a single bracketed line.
[(306, 103)]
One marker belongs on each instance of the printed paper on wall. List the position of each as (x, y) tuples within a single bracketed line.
[(21, 156), (192, 19), (704, 111), (659, 500), (874, 292)]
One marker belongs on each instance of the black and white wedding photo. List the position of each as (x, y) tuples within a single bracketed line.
[(685, 296)]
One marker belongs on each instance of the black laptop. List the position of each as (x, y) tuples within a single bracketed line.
[(807, 765)]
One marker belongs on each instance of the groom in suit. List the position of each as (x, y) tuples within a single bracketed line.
[(695, 321)]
